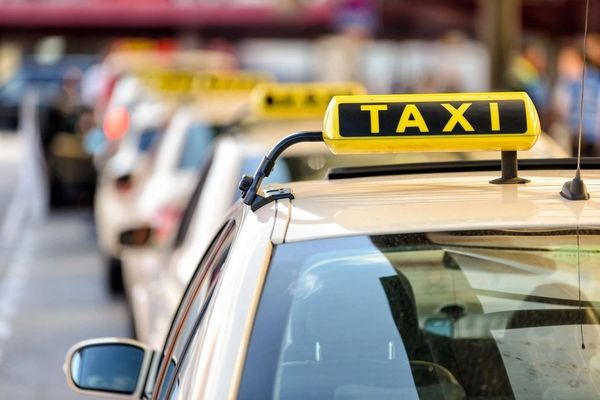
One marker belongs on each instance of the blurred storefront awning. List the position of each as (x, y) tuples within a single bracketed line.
[(396, 18), (161, 13)]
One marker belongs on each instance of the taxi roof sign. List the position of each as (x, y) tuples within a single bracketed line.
[(192, 82), (506, 122), (433, 122), (229, 80), (299, 100)]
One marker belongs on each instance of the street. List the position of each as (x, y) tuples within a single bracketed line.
[(52, 291)]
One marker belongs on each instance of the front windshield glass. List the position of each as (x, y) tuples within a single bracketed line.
[(147, 139), (455, 315), (196, 146)]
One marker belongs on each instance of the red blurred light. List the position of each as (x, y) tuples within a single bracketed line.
[(116, 123)]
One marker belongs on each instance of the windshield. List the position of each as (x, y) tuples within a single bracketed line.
[(456, 315), (147, 139), (196, 146)]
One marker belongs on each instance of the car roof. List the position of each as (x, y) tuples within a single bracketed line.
[(437, 202), (219, 108), (260, 136)]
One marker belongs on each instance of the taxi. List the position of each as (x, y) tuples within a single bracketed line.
[(117, 178), (163, 142), (218, 101), (155, 277), (454, 280)]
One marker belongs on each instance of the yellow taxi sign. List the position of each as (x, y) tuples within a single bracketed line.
[(167, 81), (191, 82), (299, 100), (432, 122), (229, 80)]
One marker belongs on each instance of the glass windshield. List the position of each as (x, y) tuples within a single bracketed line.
[(196, 146), (147, 139), (456, 315)]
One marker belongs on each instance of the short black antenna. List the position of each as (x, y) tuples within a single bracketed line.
[(575, 189), (249, 185)]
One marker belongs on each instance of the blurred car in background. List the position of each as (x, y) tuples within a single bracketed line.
[(113, 205), (151, 290), (184, 146), (155, 273), (158, 187)]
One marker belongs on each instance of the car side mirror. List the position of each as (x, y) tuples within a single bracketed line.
[(136, 237), (108, 366)]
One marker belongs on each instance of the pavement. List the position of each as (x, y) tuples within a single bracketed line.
[(10, 151), (52, 289)]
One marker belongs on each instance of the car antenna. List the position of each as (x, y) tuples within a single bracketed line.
[(575, 189)]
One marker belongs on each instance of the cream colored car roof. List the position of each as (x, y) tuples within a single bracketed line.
[(220, 108), (427, 203), (269, 132)]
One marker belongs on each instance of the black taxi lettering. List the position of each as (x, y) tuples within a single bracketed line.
[(301, 99), (218, 82)]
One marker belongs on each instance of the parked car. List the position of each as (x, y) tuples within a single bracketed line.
[(424, 281)]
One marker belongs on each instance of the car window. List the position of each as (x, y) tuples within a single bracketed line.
[(175, 391), (192, 308), (186, 371), (148, 138), (445, 315), (196, 146)]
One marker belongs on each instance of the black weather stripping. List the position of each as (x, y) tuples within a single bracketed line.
[(459, 166)]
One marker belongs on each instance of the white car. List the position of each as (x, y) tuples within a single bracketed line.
[(138, 189), (449, 281), (168, 179), (115, 190)]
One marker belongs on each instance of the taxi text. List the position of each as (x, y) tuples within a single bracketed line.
[(432, 118)]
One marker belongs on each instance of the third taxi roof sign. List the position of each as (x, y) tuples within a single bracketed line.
[(432, 122), (299, 100)]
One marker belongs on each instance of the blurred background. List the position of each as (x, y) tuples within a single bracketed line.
[(65, 64)]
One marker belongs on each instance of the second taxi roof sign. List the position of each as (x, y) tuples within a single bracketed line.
[(434, 122)]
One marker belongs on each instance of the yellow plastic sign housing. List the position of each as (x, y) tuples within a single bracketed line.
[(191, 82), (431, 122), (229, 81), (299, 100)]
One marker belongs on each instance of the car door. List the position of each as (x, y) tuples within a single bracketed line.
[(191, 313)]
